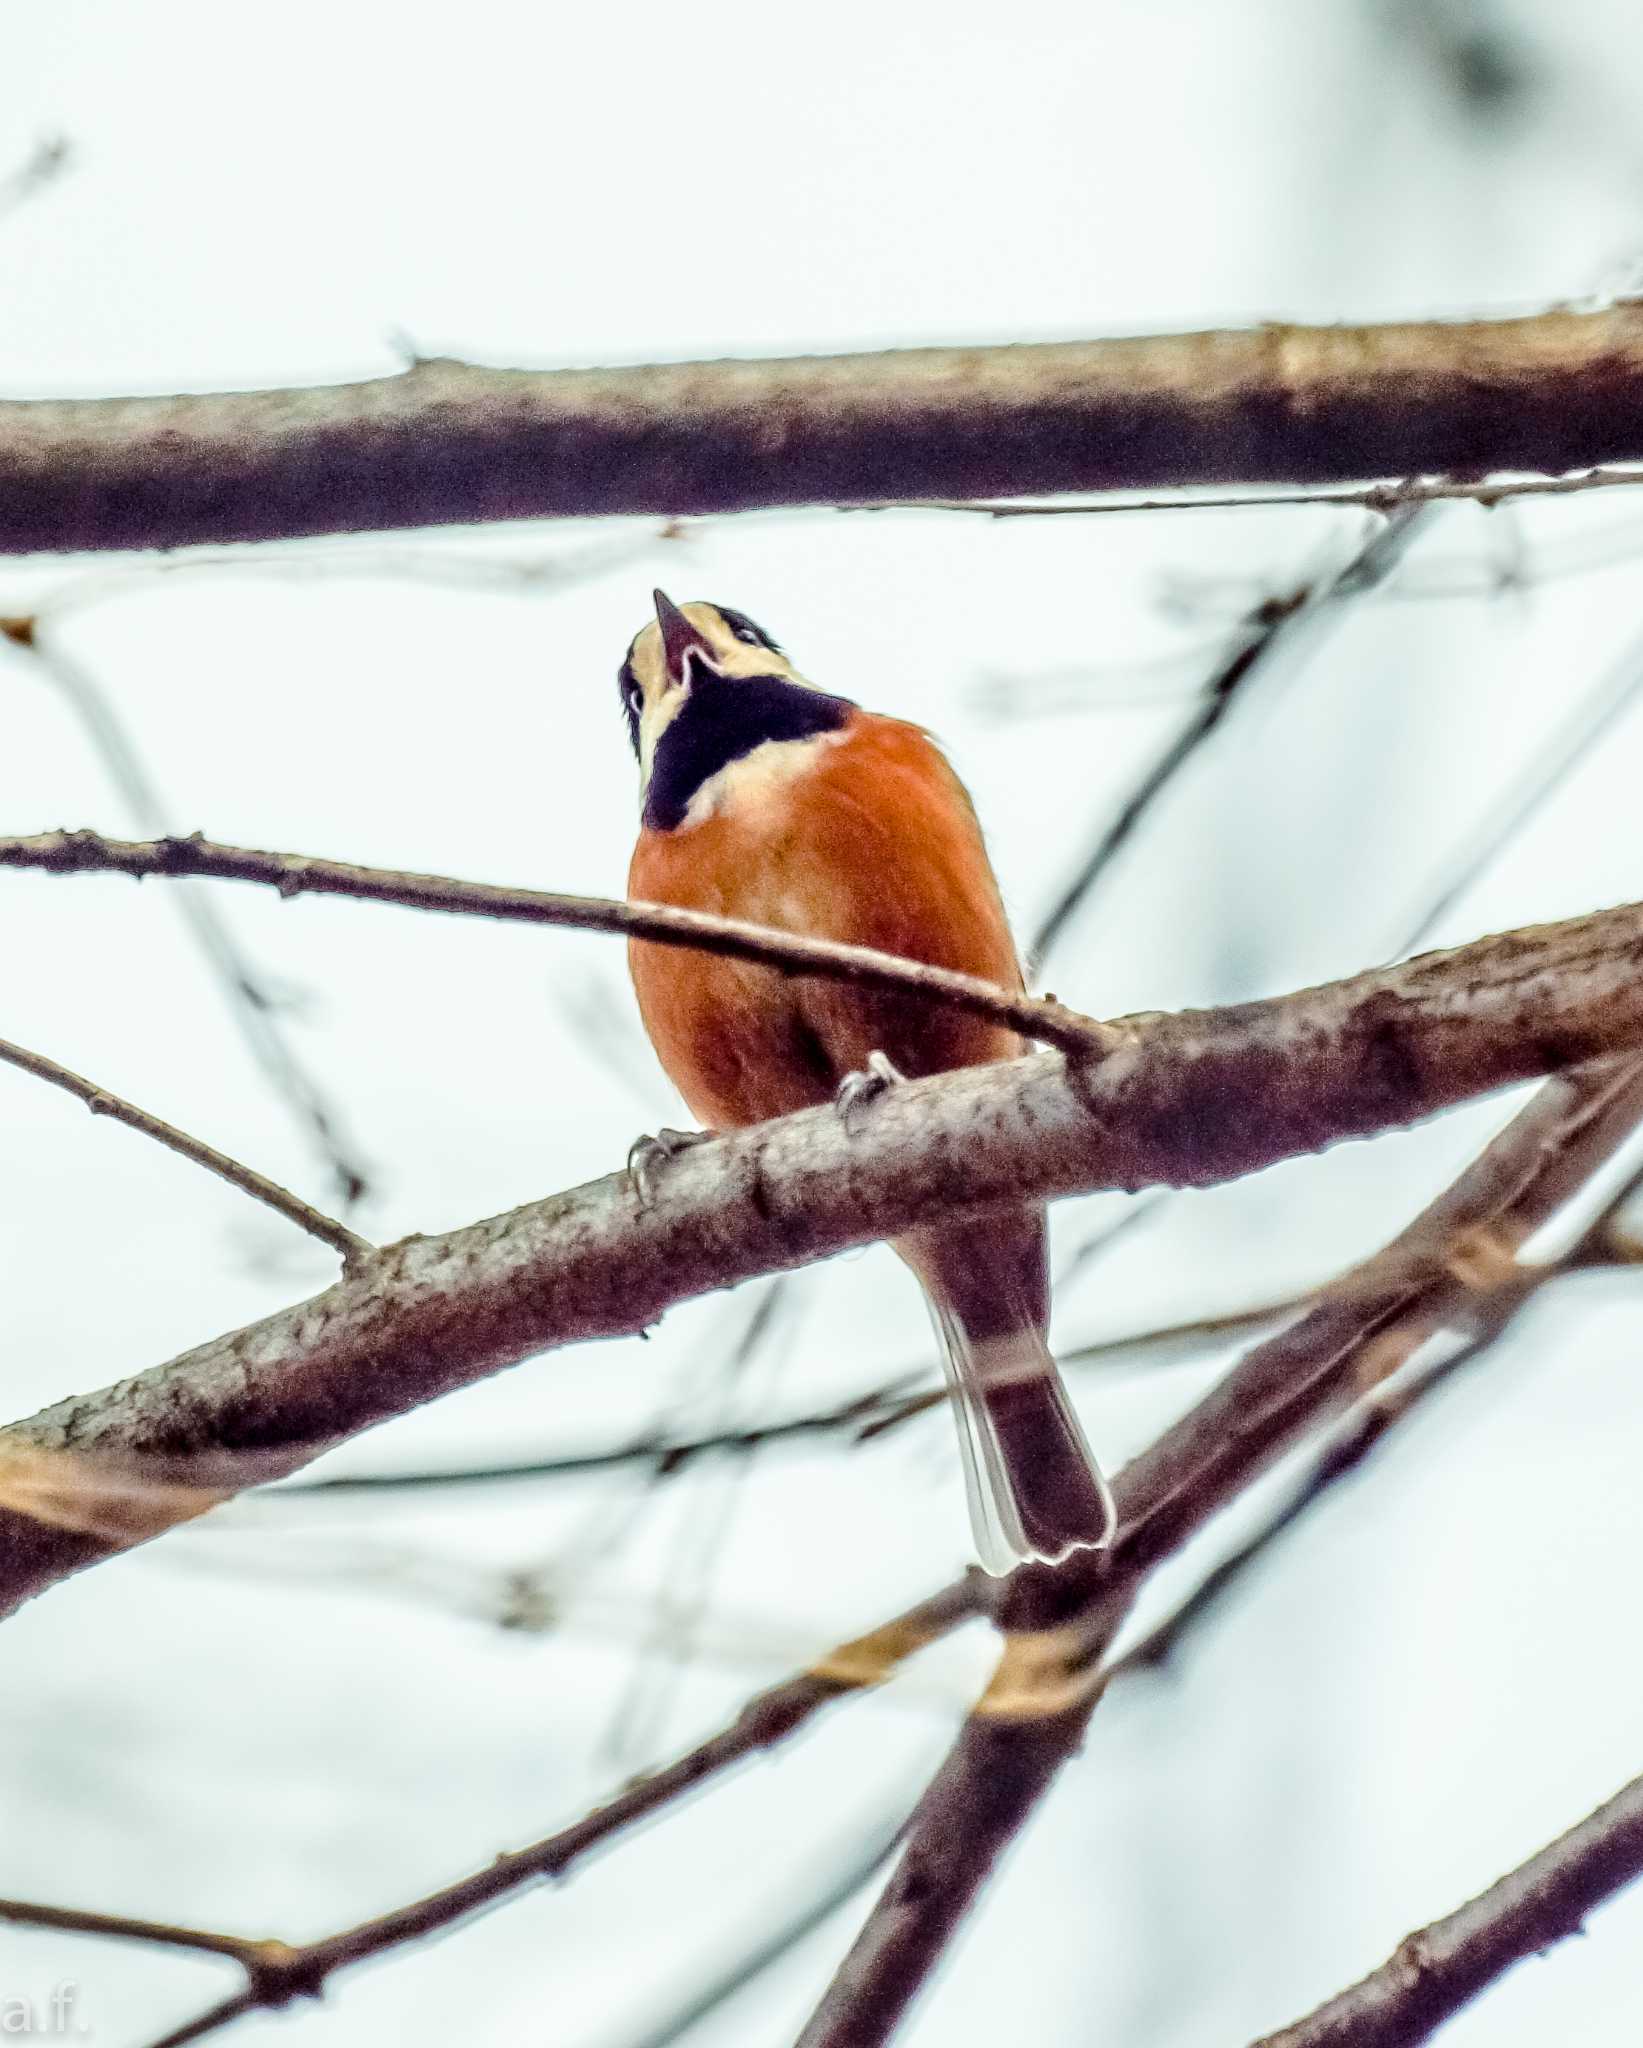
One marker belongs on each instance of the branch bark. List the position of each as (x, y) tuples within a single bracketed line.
[(1033, 1713), (1431, 1974), (278, 1972), (1033, 1717), (102, 1102), (448, 441), (301, 874), (1190, 1100)]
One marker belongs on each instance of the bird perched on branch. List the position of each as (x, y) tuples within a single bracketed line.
[(768, 799)]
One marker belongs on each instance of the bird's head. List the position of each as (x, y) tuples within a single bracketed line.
[(682, 649), (718, 685)]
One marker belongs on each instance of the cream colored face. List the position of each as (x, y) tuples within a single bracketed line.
[(655, 691)]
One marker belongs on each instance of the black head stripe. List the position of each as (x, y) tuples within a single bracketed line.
[(744, 628), (723, 718), (628, 683)]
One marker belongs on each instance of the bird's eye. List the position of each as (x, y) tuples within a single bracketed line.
[(631, 696), (743, 629)]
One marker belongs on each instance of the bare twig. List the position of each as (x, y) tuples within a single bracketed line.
[(294, 874), (278, 1972), (864, 1418), (665, 1455), (448, 441), (1367, 1325), (101, 1102), (771, 1944), (47, 162), (1033, 1716), (514, 575), (1556, 758), (1273, 629), (1502, 1286), (1385, 498), (250, 1003), (674, 1622), (1034, 1711), (1189, 1100), (1431, 1974)]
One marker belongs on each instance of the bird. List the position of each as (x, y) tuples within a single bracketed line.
[(766, 798)]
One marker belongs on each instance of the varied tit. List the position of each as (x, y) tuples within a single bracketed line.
[(765, 798)]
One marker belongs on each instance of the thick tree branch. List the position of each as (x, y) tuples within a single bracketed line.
[(447, 441), (1431, 1974), (1034, 1711), (1190, 1100)]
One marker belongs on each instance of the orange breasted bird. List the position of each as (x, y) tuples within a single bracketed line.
[(766, 798)]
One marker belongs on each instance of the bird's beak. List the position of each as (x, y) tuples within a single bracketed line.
[(679, 636)]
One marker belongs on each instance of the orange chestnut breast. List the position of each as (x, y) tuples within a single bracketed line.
[(865, 835)]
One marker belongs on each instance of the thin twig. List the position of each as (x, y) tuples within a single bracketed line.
[(102, 1102), (530, 576), (666, 1456), (1431, 1974), (1555, 759), (771, 1944), (1272, 630), (294, 874), (1034, 1711), (254, 1009), (47, 162), (862, 1419), (1034, 1714), (278, 1972), (1504, 1287), (1385, 497)]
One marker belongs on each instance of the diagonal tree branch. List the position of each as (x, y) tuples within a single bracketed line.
[(1431, 1974), (1033, 1717), (278, 1972), (1501, 1286), (449, 441), (1034, 1710), (258, 1186), (1190, 1100), (251, 1005), (1272, 630), (298, 874)]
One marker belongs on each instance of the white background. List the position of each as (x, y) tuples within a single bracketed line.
[(293, 1717)]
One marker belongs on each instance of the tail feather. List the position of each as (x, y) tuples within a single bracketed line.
[(1034, 1489)]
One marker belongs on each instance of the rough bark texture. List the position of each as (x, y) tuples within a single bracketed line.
[(1193, 1099), (448, 441)]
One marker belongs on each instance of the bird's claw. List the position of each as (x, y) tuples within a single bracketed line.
[(648, 1153), (856, 1091)]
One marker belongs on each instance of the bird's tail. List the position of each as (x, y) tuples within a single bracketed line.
[(1033, 1487)]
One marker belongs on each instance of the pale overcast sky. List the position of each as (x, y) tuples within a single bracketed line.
[(291, 1718)]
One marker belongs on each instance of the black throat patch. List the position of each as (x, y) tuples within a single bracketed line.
[(724, 718)]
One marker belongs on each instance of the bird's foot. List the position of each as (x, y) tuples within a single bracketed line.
[(856, 1091), (647, 1154)]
